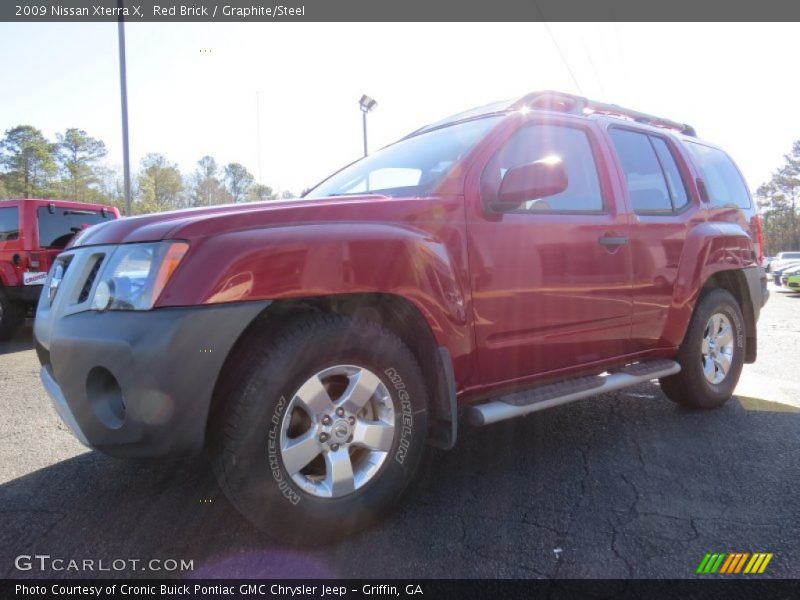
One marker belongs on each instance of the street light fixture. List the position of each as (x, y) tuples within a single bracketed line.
[(367, 104)]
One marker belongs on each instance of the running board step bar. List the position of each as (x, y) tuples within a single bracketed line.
[(563, 392)]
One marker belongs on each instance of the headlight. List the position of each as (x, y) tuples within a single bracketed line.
[(136, 274)]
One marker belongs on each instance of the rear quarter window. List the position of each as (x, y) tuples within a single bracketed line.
[(724, 182), (9, 224)]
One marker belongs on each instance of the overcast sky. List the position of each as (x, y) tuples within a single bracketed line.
[(193, 88)]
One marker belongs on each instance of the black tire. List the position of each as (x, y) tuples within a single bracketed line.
[(12, 316), (247, 460), (690, 388)]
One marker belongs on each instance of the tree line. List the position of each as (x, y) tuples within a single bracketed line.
[(73, 167), (779, 205)]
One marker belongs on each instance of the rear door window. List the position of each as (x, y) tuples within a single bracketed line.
[(651, 173), (677, 190), (725, 184), (9, 224), (57, 228)]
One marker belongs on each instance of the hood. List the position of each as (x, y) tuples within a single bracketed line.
[(198, 222)]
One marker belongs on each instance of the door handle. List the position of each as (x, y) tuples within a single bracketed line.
[(608, 240)]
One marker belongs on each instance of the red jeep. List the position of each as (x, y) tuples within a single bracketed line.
[(502, 261), (32, 233)]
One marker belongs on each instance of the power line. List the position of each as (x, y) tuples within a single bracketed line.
[(594, 68), (558, 49)]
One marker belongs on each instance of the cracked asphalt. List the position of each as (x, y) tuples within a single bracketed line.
[(622, 485)]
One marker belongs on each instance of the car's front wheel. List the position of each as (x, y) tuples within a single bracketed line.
[(324, 425)]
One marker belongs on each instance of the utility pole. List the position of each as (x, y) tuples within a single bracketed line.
[(123, 91), (258, 137)]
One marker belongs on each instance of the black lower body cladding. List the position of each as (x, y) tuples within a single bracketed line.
[(756, 278), (757, 285), (139, 384)]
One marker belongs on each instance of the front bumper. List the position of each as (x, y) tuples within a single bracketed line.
[(137, 384)]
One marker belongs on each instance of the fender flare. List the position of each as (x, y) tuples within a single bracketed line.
[(710, 248)]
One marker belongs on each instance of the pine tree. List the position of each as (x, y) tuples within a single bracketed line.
[(78, 155), (160, 185), (27, 158)]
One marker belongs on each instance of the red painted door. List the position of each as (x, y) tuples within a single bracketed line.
[(551, 281), (655, 178)]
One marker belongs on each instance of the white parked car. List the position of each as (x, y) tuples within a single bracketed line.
[(783, 259)]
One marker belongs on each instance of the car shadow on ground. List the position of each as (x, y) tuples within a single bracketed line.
[(624, 485), (22, 340)]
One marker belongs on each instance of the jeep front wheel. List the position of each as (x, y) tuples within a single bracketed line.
[(323, 428), (712, 354), (12, 316)]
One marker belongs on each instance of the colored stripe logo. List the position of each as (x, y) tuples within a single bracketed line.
[(734, 563)]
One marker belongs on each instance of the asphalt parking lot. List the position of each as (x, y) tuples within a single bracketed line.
[(623, 485)]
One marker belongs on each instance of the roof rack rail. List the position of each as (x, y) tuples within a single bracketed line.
[(550, 100), (569, 103)]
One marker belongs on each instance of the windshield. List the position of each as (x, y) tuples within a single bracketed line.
[(57, 228), (410, 167)]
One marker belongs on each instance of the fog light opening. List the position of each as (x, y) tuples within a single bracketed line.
[(105, 397)]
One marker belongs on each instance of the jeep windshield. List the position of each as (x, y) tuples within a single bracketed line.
[(414, 166)]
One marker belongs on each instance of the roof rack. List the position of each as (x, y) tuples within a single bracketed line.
[(569, 103)]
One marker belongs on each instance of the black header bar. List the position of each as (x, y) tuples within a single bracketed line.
[(397, 10), (405, 589)]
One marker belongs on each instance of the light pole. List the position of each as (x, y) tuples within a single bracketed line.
[(367, 104), (123, 92)]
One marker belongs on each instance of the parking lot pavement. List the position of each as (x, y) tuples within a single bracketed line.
[(623, 485)]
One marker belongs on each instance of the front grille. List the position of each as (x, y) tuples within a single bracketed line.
[(55, 282), (87, 285)]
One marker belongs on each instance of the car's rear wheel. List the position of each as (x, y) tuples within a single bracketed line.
[(12, 315), (323, 428), (712, 354)]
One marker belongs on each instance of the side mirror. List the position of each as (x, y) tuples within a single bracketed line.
[(535, 180)]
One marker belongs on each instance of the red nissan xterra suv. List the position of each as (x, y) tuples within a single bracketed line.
[(505, 260), (32, 233)]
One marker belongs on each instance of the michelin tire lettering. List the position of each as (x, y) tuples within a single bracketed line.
[(407, 416)]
